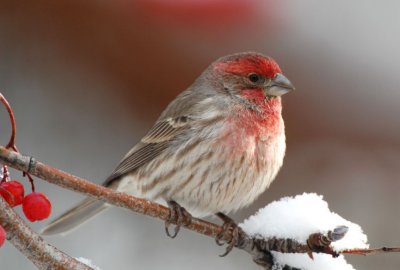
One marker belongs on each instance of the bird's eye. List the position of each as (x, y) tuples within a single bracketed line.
[(255, 78)]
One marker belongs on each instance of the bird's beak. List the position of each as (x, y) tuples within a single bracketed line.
[(278, 86)]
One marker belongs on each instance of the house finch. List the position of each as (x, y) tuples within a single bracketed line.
[(215, 148)]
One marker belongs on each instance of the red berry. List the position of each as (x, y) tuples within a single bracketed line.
[(2, 236), (36, 206), (12, 192)]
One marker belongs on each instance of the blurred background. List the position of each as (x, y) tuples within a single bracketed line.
[(87, 79)]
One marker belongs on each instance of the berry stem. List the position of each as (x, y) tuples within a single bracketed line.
[(5, 174), (30, 180), (11, 142)]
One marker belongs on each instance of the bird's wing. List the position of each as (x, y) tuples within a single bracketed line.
[(151, 145)]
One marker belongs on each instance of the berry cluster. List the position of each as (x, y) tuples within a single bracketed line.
[(36, 206)]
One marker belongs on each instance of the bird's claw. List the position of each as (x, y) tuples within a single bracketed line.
[(231, 228), (178, 216)]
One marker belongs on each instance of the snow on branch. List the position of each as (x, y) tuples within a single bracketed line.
[(299, 217)]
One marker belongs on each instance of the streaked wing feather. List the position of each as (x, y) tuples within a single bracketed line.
[(165, 130), (151, 146)]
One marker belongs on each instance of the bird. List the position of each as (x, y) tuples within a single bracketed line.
[(214, 149)]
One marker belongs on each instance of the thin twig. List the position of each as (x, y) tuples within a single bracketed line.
[(371, 251), (11, 143), (43, 255)]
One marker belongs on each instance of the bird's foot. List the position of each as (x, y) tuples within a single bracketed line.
[(178, 216), (229, 228)]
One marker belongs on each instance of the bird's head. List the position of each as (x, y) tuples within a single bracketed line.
[(250, 76)]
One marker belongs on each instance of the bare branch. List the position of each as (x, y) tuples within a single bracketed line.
[(68, 181), (259, 249), (43, 255), (371, 251)]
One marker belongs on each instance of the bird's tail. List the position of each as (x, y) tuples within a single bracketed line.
[(74, 217)]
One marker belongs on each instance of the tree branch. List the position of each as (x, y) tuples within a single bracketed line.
[(43, 255), (68, 181), (259, 249)]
